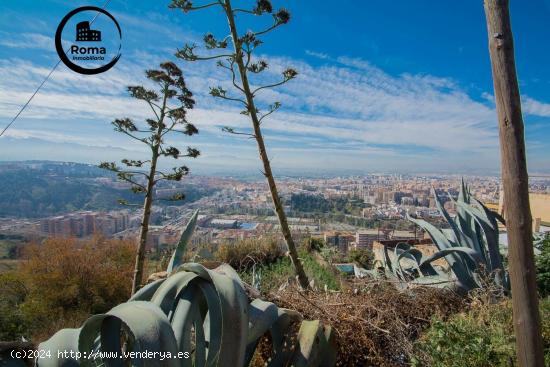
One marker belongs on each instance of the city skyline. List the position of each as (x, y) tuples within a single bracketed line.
[(398, 98)]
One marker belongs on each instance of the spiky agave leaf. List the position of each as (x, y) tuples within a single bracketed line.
[(177, 256), (475, 242), (486, 220), (469, 228), (462, 271)]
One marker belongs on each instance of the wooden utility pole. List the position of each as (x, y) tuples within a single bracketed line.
[(515, 184)]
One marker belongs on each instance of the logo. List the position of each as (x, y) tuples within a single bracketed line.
[(94, 51)]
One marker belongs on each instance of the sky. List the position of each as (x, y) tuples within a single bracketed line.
[(383, 86)]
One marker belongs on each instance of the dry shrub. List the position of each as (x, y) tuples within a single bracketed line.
[(376, 326), (67, 280), (244, 254)]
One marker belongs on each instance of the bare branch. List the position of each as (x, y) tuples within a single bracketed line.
[(272, 108), (262, 6), (187, 5), (288, 74), (177, 175), (269, 29), (230, 130), (219, 92), (151, 104), (176, 197), (142, 140), (239, 10), (126, 203), (231, 61), (188, 54), (136, 173), (129, 180)]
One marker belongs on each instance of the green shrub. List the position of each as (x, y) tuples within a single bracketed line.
[(363, 257), (279, 272), (482, 337), (13, 293), (321, 274), (543, 267), (313, 244)]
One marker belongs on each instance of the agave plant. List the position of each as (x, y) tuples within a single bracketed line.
[(204, 315), (470, 247)]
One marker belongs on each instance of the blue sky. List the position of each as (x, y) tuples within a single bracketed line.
[(396, 86)]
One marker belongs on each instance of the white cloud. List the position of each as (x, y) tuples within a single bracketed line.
[(318, 55), (27, 40), (346, 109), (534, 107)]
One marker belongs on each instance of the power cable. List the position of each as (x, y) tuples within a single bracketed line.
[(45, 79)]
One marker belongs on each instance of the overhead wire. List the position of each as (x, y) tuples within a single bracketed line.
[(44, 81)]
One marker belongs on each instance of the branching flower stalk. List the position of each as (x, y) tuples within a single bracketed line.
[(239, 62), (168, 119)]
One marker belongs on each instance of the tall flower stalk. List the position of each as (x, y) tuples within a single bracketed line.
[(235, 54)]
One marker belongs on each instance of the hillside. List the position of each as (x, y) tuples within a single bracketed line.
[(40, 189)]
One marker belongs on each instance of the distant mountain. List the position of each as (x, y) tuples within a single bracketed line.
[(34, 189)]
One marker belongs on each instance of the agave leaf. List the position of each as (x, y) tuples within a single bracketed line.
[(177, 256), (487, 220), (195, 304), (146, 324), (471, 256), (63, 340), (234, 306), (490, 231), (166, 294), (307, 352), (392, 271), (387, 260), (261, 316), (460, 269), (463, 194), (438, 238), (145, 293), (470, 235), (187, 315), (402, 250), (279, 336), (438, 281), (460, 237), (212, 321), (426, 270), (398, 249)]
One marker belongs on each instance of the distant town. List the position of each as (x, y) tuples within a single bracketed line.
[(347, 212)]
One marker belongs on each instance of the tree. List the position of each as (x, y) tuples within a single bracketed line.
[(515, 182), (237, 58), (168, 119)]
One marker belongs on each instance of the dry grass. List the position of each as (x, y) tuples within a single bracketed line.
[(376, 326), (243, 255)]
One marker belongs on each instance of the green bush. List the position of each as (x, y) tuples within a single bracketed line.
[(482, 337), (313, 244), (363, 257), (277, 273), (543, 267), (13, 293)]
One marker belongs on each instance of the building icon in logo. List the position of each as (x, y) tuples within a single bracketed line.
[(84, 33)]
